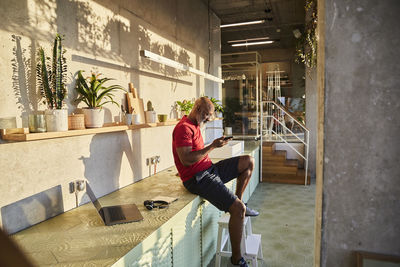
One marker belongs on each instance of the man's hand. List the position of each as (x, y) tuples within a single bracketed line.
[(219, 142), (189, 157)]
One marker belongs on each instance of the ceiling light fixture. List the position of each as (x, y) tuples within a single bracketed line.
[(246, 40), (242, 23), (253, 43)]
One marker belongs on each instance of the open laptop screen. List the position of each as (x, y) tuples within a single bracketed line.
[(92, 197)]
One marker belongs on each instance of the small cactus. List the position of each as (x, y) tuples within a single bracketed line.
[(149, 106)]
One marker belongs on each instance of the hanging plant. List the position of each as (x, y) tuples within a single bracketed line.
[(306, 47)]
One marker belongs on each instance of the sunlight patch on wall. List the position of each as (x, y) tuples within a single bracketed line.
[(98, 27), (42, 14)]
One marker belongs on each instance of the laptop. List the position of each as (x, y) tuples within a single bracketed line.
[(115, 214)]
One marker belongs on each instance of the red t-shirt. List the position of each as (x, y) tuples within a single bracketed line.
[(186, 133)]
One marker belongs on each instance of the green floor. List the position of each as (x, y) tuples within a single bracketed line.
[(286, 223)]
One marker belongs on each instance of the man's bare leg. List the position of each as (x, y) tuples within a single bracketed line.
[(238, 209), (237, 212), (245, 169)]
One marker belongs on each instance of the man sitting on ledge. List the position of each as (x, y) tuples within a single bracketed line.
[(201, 177)]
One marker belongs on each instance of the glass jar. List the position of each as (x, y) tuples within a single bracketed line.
[(37, 123)]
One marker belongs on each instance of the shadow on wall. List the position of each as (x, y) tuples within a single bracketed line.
[(91, 32), (23, 79), (103, 166), (106, 34), (32, 210)]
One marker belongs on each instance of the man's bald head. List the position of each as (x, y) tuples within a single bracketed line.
[(202, 111), (203, 104)]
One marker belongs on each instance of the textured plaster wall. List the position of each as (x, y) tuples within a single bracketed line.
[(103, 36), (362, 123)]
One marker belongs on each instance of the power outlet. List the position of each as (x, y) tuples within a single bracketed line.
[(80, 185), (77, 186)]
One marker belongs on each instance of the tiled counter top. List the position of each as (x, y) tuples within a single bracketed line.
[(79, 237)]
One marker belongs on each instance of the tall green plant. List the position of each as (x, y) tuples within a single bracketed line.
[(52, 79), (93, 92)]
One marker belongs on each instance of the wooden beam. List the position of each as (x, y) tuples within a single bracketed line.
[(320, 132)]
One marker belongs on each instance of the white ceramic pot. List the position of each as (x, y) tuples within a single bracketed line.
[(128, 119), (56, 120), (136, 119), (94, 117), (151, 117)]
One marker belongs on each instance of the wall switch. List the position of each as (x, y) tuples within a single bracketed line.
[(72, 187)]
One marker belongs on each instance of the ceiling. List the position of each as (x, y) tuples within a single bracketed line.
[(281, 18)]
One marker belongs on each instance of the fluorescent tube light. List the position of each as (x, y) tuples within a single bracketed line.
[(251, 39), (242, 23), (177, 65), (253, 43)]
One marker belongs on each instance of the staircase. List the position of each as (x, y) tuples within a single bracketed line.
[(277, 169)]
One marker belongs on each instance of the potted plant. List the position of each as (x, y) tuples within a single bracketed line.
[(218, 108), (185, 106), (95, 94), (150, 113), (51, 82)]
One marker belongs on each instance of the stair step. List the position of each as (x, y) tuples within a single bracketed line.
[(285, 178), (268, 149), (278, 153), (275, 154), (287, 162), (268, 144), (279, 169)]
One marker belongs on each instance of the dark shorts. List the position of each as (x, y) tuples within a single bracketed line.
[(210, 183)]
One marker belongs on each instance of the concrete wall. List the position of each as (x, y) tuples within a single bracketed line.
[(362, 124), (103, 36), (311, 118)]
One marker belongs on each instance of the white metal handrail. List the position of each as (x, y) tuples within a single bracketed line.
[(286, 128), (287, 113), (273, 120)]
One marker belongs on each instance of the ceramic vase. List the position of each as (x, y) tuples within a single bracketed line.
[(56, 120), (94, 117), (151, 117)]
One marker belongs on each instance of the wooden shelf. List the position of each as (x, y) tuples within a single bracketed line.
[(22, 134)]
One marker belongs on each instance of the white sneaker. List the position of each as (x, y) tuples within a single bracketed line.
[(251, 212)]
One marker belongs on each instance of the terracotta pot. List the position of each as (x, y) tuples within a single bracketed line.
[(94, 118)]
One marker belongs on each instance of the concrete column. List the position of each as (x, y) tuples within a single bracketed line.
[(361, 189)]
